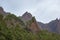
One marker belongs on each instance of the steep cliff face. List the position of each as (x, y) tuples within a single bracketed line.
[(31, 22), (34, 26)]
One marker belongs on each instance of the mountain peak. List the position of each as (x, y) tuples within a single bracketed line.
[(27, 16)]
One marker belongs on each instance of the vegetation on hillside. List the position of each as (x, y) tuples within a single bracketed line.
[(19, 33)]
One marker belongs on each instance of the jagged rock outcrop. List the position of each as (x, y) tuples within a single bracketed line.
[(31, 22), (26, 16), (34, 26)]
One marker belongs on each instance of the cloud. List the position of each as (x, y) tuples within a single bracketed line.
[(43, 10), (48, 10)]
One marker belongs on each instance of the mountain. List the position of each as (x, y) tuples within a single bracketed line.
[(30, 21), (26, 27), (53, 26), (26, 20), (3, 12), (26, 16)]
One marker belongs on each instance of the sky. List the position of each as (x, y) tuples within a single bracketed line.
[(43, 10)]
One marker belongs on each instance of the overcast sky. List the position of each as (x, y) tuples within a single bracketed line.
[(43, 10)]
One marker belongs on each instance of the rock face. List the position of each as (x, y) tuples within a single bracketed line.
[(32, 26), (26, 16)]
